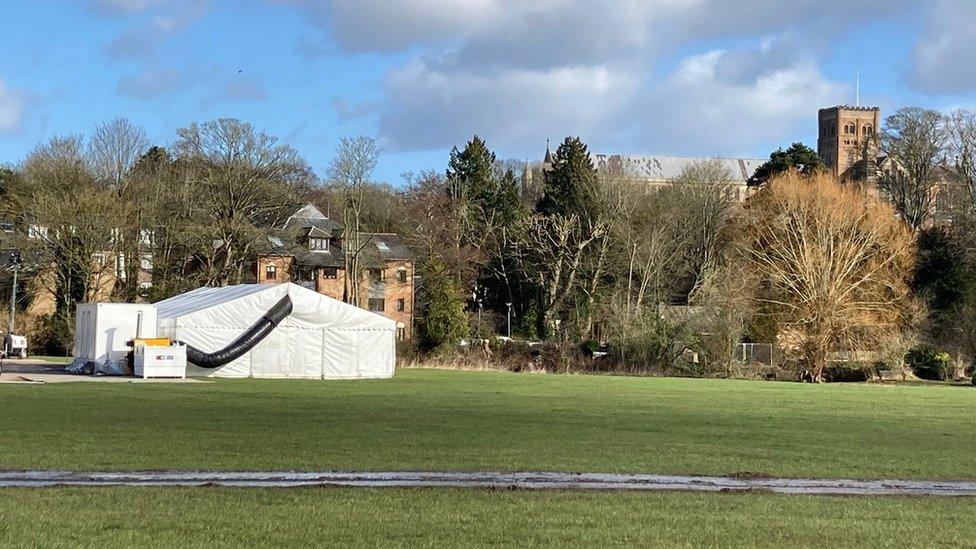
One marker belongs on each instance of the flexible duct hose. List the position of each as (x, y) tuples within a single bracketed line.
[(245, 342)]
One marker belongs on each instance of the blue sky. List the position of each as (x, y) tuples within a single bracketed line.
[(691, 77)]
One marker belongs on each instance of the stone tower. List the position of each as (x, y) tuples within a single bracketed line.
[(845, 132)]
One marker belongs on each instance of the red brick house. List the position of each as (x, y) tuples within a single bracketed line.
[(309, 251)]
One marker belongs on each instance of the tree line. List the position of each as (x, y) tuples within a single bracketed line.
[(670, 278)]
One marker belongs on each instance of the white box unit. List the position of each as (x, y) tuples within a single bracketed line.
[(159, 361), (103, 329)]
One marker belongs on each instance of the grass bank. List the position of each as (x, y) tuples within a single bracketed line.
[(165, 517), (449, 420)]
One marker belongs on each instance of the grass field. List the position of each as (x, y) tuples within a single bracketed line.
[(448, 420), (238, 517), (53, 359)]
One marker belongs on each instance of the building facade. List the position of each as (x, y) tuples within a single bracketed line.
[(309, 250)]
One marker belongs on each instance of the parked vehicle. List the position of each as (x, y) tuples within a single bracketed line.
[(14, 346)]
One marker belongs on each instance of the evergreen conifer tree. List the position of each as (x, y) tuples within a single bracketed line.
[(570, 187)]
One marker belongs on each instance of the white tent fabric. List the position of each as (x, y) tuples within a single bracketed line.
[(322, 338)]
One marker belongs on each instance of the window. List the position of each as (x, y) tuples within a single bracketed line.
[(99, 259), (376, 275), (318, 244), (381, 246), (868, 130), (402, 276), (330, 273), (401, 304), (377, 305), (36, 231), (849, 128), (145, 263), (270, 271)]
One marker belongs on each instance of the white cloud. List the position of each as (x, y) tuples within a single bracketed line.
[(123, 6), (151, 82), (151, 23), (429, 108), (11, 109), (517, 71), (705, 107), (942, 59)]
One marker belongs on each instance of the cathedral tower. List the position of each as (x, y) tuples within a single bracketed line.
[(845, 133)]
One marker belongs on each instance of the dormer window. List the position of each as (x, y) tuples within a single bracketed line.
[(316, 244), (381, 246)]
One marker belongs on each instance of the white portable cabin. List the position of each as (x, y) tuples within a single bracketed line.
[(322, 338), (102, 330)]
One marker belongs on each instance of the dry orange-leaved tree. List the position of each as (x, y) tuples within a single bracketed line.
[(833, 265)]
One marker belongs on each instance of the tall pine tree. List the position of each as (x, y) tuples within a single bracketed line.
[(471, 173), (570, 187)]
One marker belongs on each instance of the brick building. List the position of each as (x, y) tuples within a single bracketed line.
[(310, 251)]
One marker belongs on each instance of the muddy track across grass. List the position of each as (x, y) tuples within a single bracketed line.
[(487, 480)]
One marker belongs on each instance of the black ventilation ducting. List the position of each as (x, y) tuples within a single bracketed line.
[(245, 342)]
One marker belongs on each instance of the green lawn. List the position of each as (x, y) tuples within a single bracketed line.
[(300, 517), (449, 420), (53, 359)]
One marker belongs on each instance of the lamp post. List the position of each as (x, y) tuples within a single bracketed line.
[(476, 298), (508, 320)]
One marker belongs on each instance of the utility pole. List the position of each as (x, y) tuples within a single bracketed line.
[(15, 264)]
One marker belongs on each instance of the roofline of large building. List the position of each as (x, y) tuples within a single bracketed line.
[(699, 157), (850, 108)]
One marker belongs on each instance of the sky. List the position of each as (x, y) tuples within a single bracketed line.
[(679, 77)]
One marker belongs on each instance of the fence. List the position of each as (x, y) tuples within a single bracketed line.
[(756, 353)]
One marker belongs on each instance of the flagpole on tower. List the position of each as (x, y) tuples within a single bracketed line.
[(857, 89)]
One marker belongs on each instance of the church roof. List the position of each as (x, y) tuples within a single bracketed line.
[(666, 168)]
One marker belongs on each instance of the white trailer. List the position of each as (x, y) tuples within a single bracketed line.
[(103, 330)]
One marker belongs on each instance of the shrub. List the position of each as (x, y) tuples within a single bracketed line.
[(928, 363), (651, 342), (849, 372)]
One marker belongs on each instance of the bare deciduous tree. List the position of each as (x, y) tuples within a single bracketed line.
[(832, 265), (114, 148), (914, 141), (68, 228), (703, 198), (961, 128), (351, 171), (550, 251), (243, 183)]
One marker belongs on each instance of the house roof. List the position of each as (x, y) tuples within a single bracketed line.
[(387, 246), (377, 248), (666, 168), (309, 216)]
